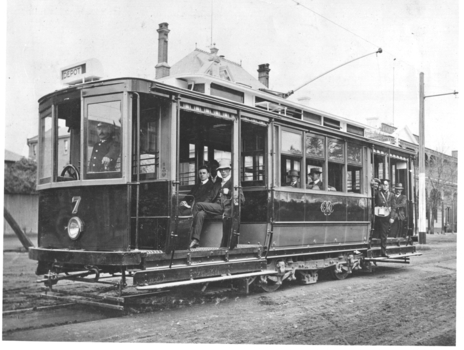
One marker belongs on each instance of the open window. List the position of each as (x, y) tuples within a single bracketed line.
[(315, 161), (291, 158), (253, 146), (68, 135), (354, 173), (336, 164)]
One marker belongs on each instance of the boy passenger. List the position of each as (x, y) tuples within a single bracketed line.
[(202, 190)]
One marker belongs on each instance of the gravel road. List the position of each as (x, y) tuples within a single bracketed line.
[(398, 304)]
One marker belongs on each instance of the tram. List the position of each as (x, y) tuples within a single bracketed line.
[(121, 214)]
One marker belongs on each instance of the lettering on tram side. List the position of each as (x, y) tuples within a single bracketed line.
[(327, 208)]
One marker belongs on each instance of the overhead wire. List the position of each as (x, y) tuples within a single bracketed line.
[(394, 56)]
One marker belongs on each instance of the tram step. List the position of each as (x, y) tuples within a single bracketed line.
[(393, 257), (206, 280)]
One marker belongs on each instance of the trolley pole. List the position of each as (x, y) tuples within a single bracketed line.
[(422, 201)]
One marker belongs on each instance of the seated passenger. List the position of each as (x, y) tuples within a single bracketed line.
[(106, 152), (202, 190), (294, 178), (218, 203), (316, 183), (214, 171)]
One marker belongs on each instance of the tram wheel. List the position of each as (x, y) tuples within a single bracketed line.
[(336, 275), (269, 283)]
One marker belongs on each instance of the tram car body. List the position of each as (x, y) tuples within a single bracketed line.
[(125, 217)]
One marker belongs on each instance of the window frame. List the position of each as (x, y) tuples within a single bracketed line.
[(306, 158), (99, 99)]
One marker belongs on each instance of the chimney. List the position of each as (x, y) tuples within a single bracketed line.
[(454, 154), (162, 68), (263, 74)]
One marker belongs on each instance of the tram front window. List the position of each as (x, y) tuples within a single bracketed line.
[(46, 147), (104, 140)]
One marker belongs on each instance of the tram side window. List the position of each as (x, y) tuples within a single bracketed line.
[(149, 139), (68, 138), (336, 165), (315, 160), (187, 164), (354, 173), (379, 164), (291, 157), (253, 144), (104, 139)]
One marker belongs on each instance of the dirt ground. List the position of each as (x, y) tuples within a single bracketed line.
[(398, 304)]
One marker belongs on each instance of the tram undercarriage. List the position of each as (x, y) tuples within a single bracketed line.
[(144, 273)]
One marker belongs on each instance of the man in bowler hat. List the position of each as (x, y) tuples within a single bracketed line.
[(316, 183), (294, 176)]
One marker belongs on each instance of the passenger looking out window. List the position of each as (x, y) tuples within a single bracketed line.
[(294, 178), (291, 150), (315, 161), (314, 180)]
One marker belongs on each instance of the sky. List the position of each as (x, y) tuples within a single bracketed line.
[(300, 40)]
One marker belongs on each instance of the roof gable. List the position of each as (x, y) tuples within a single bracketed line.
[(202, 62)]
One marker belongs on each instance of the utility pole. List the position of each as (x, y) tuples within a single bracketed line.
[(422, 201), (422, 204)]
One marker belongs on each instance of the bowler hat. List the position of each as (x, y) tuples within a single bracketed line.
[(315, 171), (399, 186), (224, 164), (293, 173), (383, 180)]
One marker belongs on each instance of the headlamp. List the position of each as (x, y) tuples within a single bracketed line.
[(75, 227)]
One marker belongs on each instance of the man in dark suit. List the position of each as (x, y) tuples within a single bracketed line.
[(316, 183), (214, 171), (218, 203), (384, 212), (400, 212), (106, 152), (294, 176), (202, 190)]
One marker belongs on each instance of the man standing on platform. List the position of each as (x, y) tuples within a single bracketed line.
[(384, 212), (400, 212)]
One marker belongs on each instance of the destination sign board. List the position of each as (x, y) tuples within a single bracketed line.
[(81, 72)]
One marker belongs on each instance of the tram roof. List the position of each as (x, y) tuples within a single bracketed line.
[(151, 85)]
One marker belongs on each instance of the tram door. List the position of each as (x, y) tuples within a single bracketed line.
[(202, 140)]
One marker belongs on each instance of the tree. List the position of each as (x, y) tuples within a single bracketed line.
[(21, 177)]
